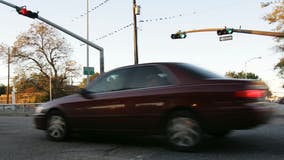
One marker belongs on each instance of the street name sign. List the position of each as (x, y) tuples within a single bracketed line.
[(89, 70), (226, 38)]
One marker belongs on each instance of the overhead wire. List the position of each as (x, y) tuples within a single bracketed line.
[(90, 10), (146, 21), (140, 21)]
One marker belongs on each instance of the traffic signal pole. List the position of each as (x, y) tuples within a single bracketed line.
[(65, 31), (255, 32), (79, 38), (203, 30)]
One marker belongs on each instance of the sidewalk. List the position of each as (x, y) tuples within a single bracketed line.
[(15, 114)]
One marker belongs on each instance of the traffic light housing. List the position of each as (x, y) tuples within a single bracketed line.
[(23, 11), (178, 36), (225, 31)]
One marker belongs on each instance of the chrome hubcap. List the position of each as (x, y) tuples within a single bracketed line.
[(56, 127), (183, 132)]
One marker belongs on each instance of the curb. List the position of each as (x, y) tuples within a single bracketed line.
[(16, 114)]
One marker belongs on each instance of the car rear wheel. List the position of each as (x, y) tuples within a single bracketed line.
[(183, 131), (56, 126)]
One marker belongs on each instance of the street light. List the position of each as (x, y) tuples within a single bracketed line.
[(87, 20), (246, 63)]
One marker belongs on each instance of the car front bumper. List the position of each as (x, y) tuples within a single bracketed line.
[(40, 121)]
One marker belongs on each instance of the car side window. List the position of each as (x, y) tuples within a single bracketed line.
[(147, 76), (114, 81), (130, 78)]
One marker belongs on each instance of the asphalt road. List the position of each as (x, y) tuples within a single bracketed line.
[(20, 141)]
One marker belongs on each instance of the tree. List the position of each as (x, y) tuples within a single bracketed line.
[(241, 75), (249, 75), (84, 82), (2, 89), (4, 51), (42, 53), (276, 17), (33, 83)]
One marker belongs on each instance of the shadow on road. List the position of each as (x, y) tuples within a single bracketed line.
[(137, 141), (239, 142)]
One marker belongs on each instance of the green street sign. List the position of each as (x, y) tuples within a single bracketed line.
[(89, 71)]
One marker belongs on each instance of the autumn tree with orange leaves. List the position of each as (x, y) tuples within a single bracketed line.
[(276, 17), (39, 54)]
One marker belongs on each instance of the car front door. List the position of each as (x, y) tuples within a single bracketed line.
[(105, 106)]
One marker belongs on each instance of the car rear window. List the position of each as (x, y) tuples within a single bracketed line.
[(197, 72)]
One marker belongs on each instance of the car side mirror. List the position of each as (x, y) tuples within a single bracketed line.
[(86, 94)]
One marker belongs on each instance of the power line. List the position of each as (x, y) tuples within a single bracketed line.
[(141, 21), (160, 19), (91, 10), (131, 24), (115, 32)]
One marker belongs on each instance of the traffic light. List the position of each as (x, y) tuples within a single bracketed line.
[(178, 36), (225, 31), (23, 11)]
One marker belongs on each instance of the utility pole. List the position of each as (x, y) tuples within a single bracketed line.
[(8, 86), (135, 12)]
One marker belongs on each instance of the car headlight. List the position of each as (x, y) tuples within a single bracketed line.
[(41, 108)]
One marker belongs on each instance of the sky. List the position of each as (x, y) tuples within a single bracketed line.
[(157, 21)]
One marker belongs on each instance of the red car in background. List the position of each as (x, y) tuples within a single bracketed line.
[(178, 100)]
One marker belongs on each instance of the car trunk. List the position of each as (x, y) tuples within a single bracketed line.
[(234, 104)]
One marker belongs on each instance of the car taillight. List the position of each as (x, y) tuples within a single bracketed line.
[(252, 94)]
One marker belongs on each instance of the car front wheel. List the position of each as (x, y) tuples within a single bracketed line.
[(183, 131), (56, 126)]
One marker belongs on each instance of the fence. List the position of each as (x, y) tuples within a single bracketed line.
[(18, 109)]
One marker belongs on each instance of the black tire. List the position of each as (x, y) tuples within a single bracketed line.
[(56, 126), (183, 131)]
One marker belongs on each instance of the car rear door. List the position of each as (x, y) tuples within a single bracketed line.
[(148, 97)]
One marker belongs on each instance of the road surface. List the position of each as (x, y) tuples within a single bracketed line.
[(20, 141)]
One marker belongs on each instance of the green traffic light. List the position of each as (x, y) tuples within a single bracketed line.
[(229, 30), (182, 35), (178, 36)]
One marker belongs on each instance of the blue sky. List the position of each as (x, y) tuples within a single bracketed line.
[(154, 42)]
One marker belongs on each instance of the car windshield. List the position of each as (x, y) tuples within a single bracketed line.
[(198, 72)]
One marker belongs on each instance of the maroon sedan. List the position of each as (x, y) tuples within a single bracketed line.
[(177, 100)]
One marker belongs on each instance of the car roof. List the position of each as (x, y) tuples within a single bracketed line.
[(149, 64)]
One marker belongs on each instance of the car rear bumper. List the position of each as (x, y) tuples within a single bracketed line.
[(238, 117), (40, 121)]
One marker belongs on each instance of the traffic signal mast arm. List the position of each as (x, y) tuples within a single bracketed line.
[(203, 30), (23, 11), (256, 32)]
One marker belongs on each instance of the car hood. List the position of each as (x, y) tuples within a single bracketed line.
[(63, 100)]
